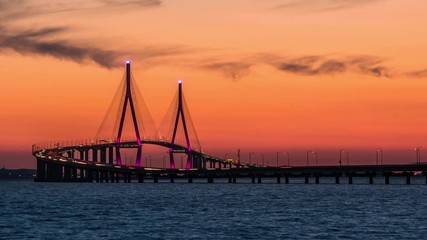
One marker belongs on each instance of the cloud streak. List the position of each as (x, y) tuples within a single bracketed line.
[(231, 70), (324, 65), (38, 43), (322, 5), (45, 41)]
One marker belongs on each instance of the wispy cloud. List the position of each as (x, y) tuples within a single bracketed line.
[(142, 3), (310, 65), (231, 70), (322, 5), (48, 41), (418, 73), (42, 42), (329, 65)]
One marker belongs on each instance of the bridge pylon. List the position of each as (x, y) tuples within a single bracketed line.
[(128, 100), (181, 114)]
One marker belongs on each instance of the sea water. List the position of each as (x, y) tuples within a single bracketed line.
[(213, 211)]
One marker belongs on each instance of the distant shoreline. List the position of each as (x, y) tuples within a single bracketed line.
[(17, 173)]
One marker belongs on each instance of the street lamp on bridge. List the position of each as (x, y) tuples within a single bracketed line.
[(287, 154), (277, 158), (315, 156), (346, 152), (250, 154), (379, 153), (418, 154)]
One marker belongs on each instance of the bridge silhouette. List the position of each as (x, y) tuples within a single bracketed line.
[(101, 160)]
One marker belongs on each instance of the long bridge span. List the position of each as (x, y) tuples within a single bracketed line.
[(101, 160)]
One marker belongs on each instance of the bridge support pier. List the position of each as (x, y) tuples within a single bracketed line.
[(317, 179), (259, 179), (234, 179), (306, 179), (155, 178), (286, 179), (190, 178), (103, 152), (94, 155), (350, 179), (111, 155), (86, 153), (387, 178), (253, 179), (172, 176), (371, 179), (337, 179), (210, 178), (408, 178), (278, 179)]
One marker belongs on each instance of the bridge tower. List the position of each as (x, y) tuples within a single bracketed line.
[(128, 100), (180, 114)]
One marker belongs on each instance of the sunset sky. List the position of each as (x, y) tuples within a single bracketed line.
[(259, 75)]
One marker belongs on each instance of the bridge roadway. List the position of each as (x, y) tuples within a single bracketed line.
[(53, 165)]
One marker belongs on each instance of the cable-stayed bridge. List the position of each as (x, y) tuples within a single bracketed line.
[(129, 125)]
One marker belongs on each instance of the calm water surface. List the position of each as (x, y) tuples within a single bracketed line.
[(211, 211)]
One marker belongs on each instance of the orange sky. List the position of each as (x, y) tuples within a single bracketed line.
[(261, 76)]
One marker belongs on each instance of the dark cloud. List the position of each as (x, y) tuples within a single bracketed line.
[(322, 5), (39, 42), (46, 41), (231, 70), (327, 65), (418, 74), (142, 3)]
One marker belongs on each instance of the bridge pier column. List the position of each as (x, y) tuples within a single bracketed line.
[(89, 175), (350, 179), (74, 172), (96, 175), (70, 153), (234, 178), (408, 178), (190, 178), (337, 179), (101, 176), (172, 176), (278, 179), (371, 179), (317, 179), (140, 178), (67, 173), (155, 178), (253, 178), (259, 178), (210, 178), (94, 155), (41, 171), (387, 178), (306, 179), (229, 179), (86, 152), (112, 178), (286, 179), (103, 155), (111, 155), (117, 177)]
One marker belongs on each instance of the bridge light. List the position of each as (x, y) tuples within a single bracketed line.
[(127, 61), (179, 81)]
